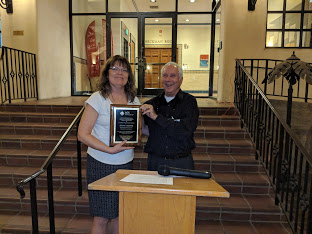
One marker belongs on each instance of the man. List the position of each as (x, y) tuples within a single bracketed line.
[(172, 120)]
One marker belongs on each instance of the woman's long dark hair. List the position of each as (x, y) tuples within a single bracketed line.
[(104, 85)]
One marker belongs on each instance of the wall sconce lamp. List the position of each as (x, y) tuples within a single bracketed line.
[(7, 5)]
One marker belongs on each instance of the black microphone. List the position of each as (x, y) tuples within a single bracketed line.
[(165, 171)]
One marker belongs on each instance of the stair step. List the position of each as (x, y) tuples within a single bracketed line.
[(215, 132), (235, 183), (218, 146), (46, 129), (220, 132), (40, 108), (221, 227), (28, 133), (212, 120), (73, 224), (37, 117), (237, 207), (224, 146), (36, 142), (203, 161)]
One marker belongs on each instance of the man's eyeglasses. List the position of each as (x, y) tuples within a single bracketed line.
[(117, 69)]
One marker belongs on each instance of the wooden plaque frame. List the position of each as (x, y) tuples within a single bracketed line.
[(122, 119)]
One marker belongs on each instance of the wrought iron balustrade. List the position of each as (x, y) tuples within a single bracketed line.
[(47, 166), (18, 75), (259, 69), (286, 162)]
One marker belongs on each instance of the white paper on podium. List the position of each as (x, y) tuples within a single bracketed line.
[(148, 179)]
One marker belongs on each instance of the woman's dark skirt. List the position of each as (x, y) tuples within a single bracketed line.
[(103, 203)]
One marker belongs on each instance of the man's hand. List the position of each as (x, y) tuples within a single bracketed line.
[(149, 111)]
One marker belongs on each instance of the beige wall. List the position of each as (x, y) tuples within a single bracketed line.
[(45, 25), (53, 48), (24, 19), (243, 36)]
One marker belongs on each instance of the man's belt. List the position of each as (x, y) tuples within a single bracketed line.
[(175, 156)]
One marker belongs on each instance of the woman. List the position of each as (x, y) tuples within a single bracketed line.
[(115, 87)]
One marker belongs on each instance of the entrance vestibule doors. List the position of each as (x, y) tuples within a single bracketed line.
[(152, 48)]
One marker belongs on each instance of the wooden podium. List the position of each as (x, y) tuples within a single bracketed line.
[(154, 208)]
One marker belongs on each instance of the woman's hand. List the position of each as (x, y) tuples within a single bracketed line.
[(119, 148)]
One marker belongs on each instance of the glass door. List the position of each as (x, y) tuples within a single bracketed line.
[(124, 41), (156, 50)]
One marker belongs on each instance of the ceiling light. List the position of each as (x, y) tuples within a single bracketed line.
[(156, 20), (218, 20), (192, 0), (187, 20), (153, 0)]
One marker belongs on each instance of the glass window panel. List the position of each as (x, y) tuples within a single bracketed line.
[(307, 21), (293, 5), (275, 5), (307, 39), (158, 49), (291, 39), (274, 39), (124, 37), (140, 6), (194, 37), (275, 21), (88, 6), (196, 6), (84, 79), (292, 21), (122, 6), (308, 5)]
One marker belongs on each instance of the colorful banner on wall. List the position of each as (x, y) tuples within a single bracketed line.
[(92, 52), (204, 58)]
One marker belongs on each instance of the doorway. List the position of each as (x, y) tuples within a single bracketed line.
[(149, 38)]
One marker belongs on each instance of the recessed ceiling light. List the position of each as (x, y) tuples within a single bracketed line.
[(187, 20), (192, 0), (153, 0), (156, 20), (218, 20)]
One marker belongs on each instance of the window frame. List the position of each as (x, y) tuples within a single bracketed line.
[(283, 30)]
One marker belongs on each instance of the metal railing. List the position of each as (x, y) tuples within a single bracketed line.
[(47, 166), (259, 69), (18, 75), (286, 162)]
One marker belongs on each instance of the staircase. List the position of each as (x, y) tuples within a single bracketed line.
[(28, 133)]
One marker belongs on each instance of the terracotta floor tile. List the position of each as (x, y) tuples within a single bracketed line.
[(238, 227), (221, 158), (6, 216), (218, 142), (6, 151), (10, 192), (262, 203), (253, 179), (70, 195), (227, 178), (242, 159), (205, 227), (270, 228), (73, 172), (201, 157), (79, 224), (235, 201)]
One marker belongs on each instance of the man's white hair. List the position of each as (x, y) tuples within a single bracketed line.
[(180, 70)]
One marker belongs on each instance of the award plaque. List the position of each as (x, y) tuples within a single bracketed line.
[(125, 124)]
